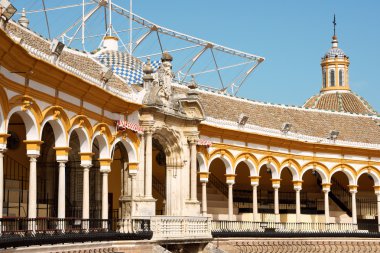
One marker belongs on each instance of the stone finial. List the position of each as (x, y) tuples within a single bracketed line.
[(192, 93), (166, 57), (148, 70), (23, 20), (192, 85)]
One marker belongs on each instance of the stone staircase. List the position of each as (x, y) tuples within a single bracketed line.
[(217, 203), (337, 215)]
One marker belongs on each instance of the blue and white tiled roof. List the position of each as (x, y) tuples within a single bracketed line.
[(125, 65), (335, 52)]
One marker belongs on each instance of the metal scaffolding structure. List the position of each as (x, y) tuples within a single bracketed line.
[(214, 66)]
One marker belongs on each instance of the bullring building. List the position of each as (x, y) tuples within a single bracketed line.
[(104, 144)]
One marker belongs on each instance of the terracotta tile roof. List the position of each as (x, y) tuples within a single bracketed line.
[(317, 123), (340, 102), (74, 59)]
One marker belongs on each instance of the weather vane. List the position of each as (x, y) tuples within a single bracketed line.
[(334, 22)]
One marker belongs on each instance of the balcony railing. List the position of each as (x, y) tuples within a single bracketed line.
[(259, 229), (17, 232), (171, 227)]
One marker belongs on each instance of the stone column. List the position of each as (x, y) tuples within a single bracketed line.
[(33, 152), (203, 178), (32, 206), (105, 168), (61, 190), (377, 192), (326, 190), (230, 201), (193, 170), (3, 148), (353, 191), (298, 187), (276, 186), (255, 208), (1, 182), (133, 168), (62, 156), (86, 163), (148, 164), (230, 180)]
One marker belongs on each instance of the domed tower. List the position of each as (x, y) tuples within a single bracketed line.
[(335, 94), (335, 68)]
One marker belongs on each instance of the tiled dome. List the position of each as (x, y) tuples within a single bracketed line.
[(335, 52), (125, 65), (340, 102)]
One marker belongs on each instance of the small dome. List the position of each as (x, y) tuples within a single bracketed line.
[(340, 102), (123, 64), (335, 52), (126, 66)]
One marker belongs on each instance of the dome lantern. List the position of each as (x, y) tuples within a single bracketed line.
[(335, 65)]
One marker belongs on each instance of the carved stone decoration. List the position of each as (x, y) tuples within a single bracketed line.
[(160, 91)]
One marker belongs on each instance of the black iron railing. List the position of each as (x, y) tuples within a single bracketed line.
[(16, 232)]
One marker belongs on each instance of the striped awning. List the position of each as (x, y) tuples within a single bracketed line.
[(203, 142), (122, 125)]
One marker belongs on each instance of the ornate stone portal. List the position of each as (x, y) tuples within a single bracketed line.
[(172, 120)]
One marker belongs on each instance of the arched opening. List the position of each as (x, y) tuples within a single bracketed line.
[(340, 196), (324, 78), (119, 184), (366, 202), (332, 78), (312, 198), (217, 191), (287, 196), (47, 176), (95, 179), (159, 176), (243, 190), (265, 194), (16, 170)]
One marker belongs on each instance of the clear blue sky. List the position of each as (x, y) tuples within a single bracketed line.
[(292, 35)]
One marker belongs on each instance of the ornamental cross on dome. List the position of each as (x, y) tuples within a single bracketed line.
[(334, 23)]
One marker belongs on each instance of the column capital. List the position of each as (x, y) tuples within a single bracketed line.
[(62, 153), (86, 158), (377, 189), (147, 125), (203, 176), (133, 167), (105, 165), (297, 184), (276, 182), (33, 147), (230, 178), (3, 141), (192, 136), (353, 188), (255, 180), (326, 187)]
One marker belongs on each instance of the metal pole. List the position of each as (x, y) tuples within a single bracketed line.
[(110, 15), (130, 28), (83, 25)]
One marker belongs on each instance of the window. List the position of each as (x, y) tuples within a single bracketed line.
[(324, 78), (341, 76), (332, 78)]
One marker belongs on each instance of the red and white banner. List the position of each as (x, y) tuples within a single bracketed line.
[(122, 125), (202, 142)]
